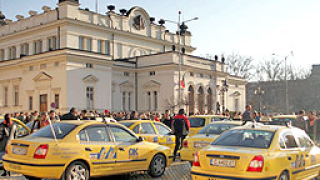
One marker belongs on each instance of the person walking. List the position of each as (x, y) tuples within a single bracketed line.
[(53, 117), (7, 133), (72, 115), (42, 121), (180, 128), (246, 116), (167, 120)]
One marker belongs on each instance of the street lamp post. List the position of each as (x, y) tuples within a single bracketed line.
[(286, 82), (180, 25), (259, 92), (224, 88)]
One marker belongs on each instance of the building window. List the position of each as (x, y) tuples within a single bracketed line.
[(236, 104), (149, 100), (16, 95), (24, 49), (31, 68), (236, 85), (43, 66), (201, 75), (2, 53), (155, 100), (5, 96), (52, 43), (126, 73), (30, 103), (99, 46), (81, 43), (56, 100), (38, 47), (56, 64), (90, 97), (106, 47), (88, 48), (12, 53), (129, 101), (191, 74), (89, 65), (123, 100), (152, 73)]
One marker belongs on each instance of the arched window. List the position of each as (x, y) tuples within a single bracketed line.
[(209, 100), (201, 100), (191, 100)]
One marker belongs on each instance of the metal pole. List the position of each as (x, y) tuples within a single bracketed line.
[(179, 49), (286, 85), (97, 6)]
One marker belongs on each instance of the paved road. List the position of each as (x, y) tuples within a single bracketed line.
[(178, 170)]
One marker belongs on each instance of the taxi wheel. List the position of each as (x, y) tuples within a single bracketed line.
[(157, 166), (77, 171), (32, 178), (284, 176)]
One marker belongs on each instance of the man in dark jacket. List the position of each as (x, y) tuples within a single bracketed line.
[(167, 118), (180, 127), (72, 115)]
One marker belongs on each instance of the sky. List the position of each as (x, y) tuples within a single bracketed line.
[(257, 28)]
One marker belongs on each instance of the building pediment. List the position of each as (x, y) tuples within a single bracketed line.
[(236, 93), (42, 77), (90, 79), (126, 84), (151, 84)]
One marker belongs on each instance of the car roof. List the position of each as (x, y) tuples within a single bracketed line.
[(135, 121), (263, 127), (227, 122), (285, 116), (80, 122)]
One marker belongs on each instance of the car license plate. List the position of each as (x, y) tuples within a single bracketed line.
[(13, 166), (201, 144), (223, 162), (19, 151)]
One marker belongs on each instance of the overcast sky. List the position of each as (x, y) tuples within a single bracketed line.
[(256, 28)]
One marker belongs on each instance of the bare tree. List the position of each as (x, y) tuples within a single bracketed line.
[(295, 73), (239, 65), (272, 70)]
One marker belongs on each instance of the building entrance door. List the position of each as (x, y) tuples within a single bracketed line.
[(43, 102)]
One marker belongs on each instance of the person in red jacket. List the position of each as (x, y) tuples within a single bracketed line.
[(180, 128)]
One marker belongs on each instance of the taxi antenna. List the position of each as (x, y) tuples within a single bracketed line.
[(53, 133)]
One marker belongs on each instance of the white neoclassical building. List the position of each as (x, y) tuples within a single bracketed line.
[(72, 57)]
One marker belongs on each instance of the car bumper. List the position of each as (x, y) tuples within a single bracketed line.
[(198, 174), (47, 171), (187, 154)]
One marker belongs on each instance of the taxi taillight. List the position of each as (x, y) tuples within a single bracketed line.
[(185, 144), (41, 151), (256, 164), (196, 161)]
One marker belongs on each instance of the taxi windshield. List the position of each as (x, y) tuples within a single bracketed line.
[(197, 122), (216, 129), (61, 130), (245, 138), (127, 124)]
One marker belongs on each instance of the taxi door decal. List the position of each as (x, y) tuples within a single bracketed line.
[(103, 154)]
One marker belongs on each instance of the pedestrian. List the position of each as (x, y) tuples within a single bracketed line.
[(53, 117), (34, 116), (7, 133), (167, 119), (180, 128), (41, 122), (72, 115), (246, 116), (22, 117), (301, 121)]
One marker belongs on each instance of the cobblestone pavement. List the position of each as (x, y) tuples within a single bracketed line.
[(177, 171)]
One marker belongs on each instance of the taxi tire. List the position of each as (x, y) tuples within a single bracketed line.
[(72, 165), (159, 158), (32, 178), (284, 176)]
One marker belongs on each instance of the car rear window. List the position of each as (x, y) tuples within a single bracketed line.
[(216, 129), (127, 124), (61, 130), (197, 122), (245, 138)]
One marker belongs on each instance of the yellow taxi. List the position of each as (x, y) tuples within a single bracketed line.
[(204, 138), (259, 152), (283, 119), (22, 130), (84, 149), (152, 131), (197, 122)]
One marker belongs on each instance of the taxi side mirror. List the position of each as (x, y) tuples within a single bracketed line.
[(140, 139)]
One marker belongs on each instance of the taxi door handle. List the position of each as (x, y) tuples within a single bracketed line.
[(88, 149), (289, 158), (121, 148)]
